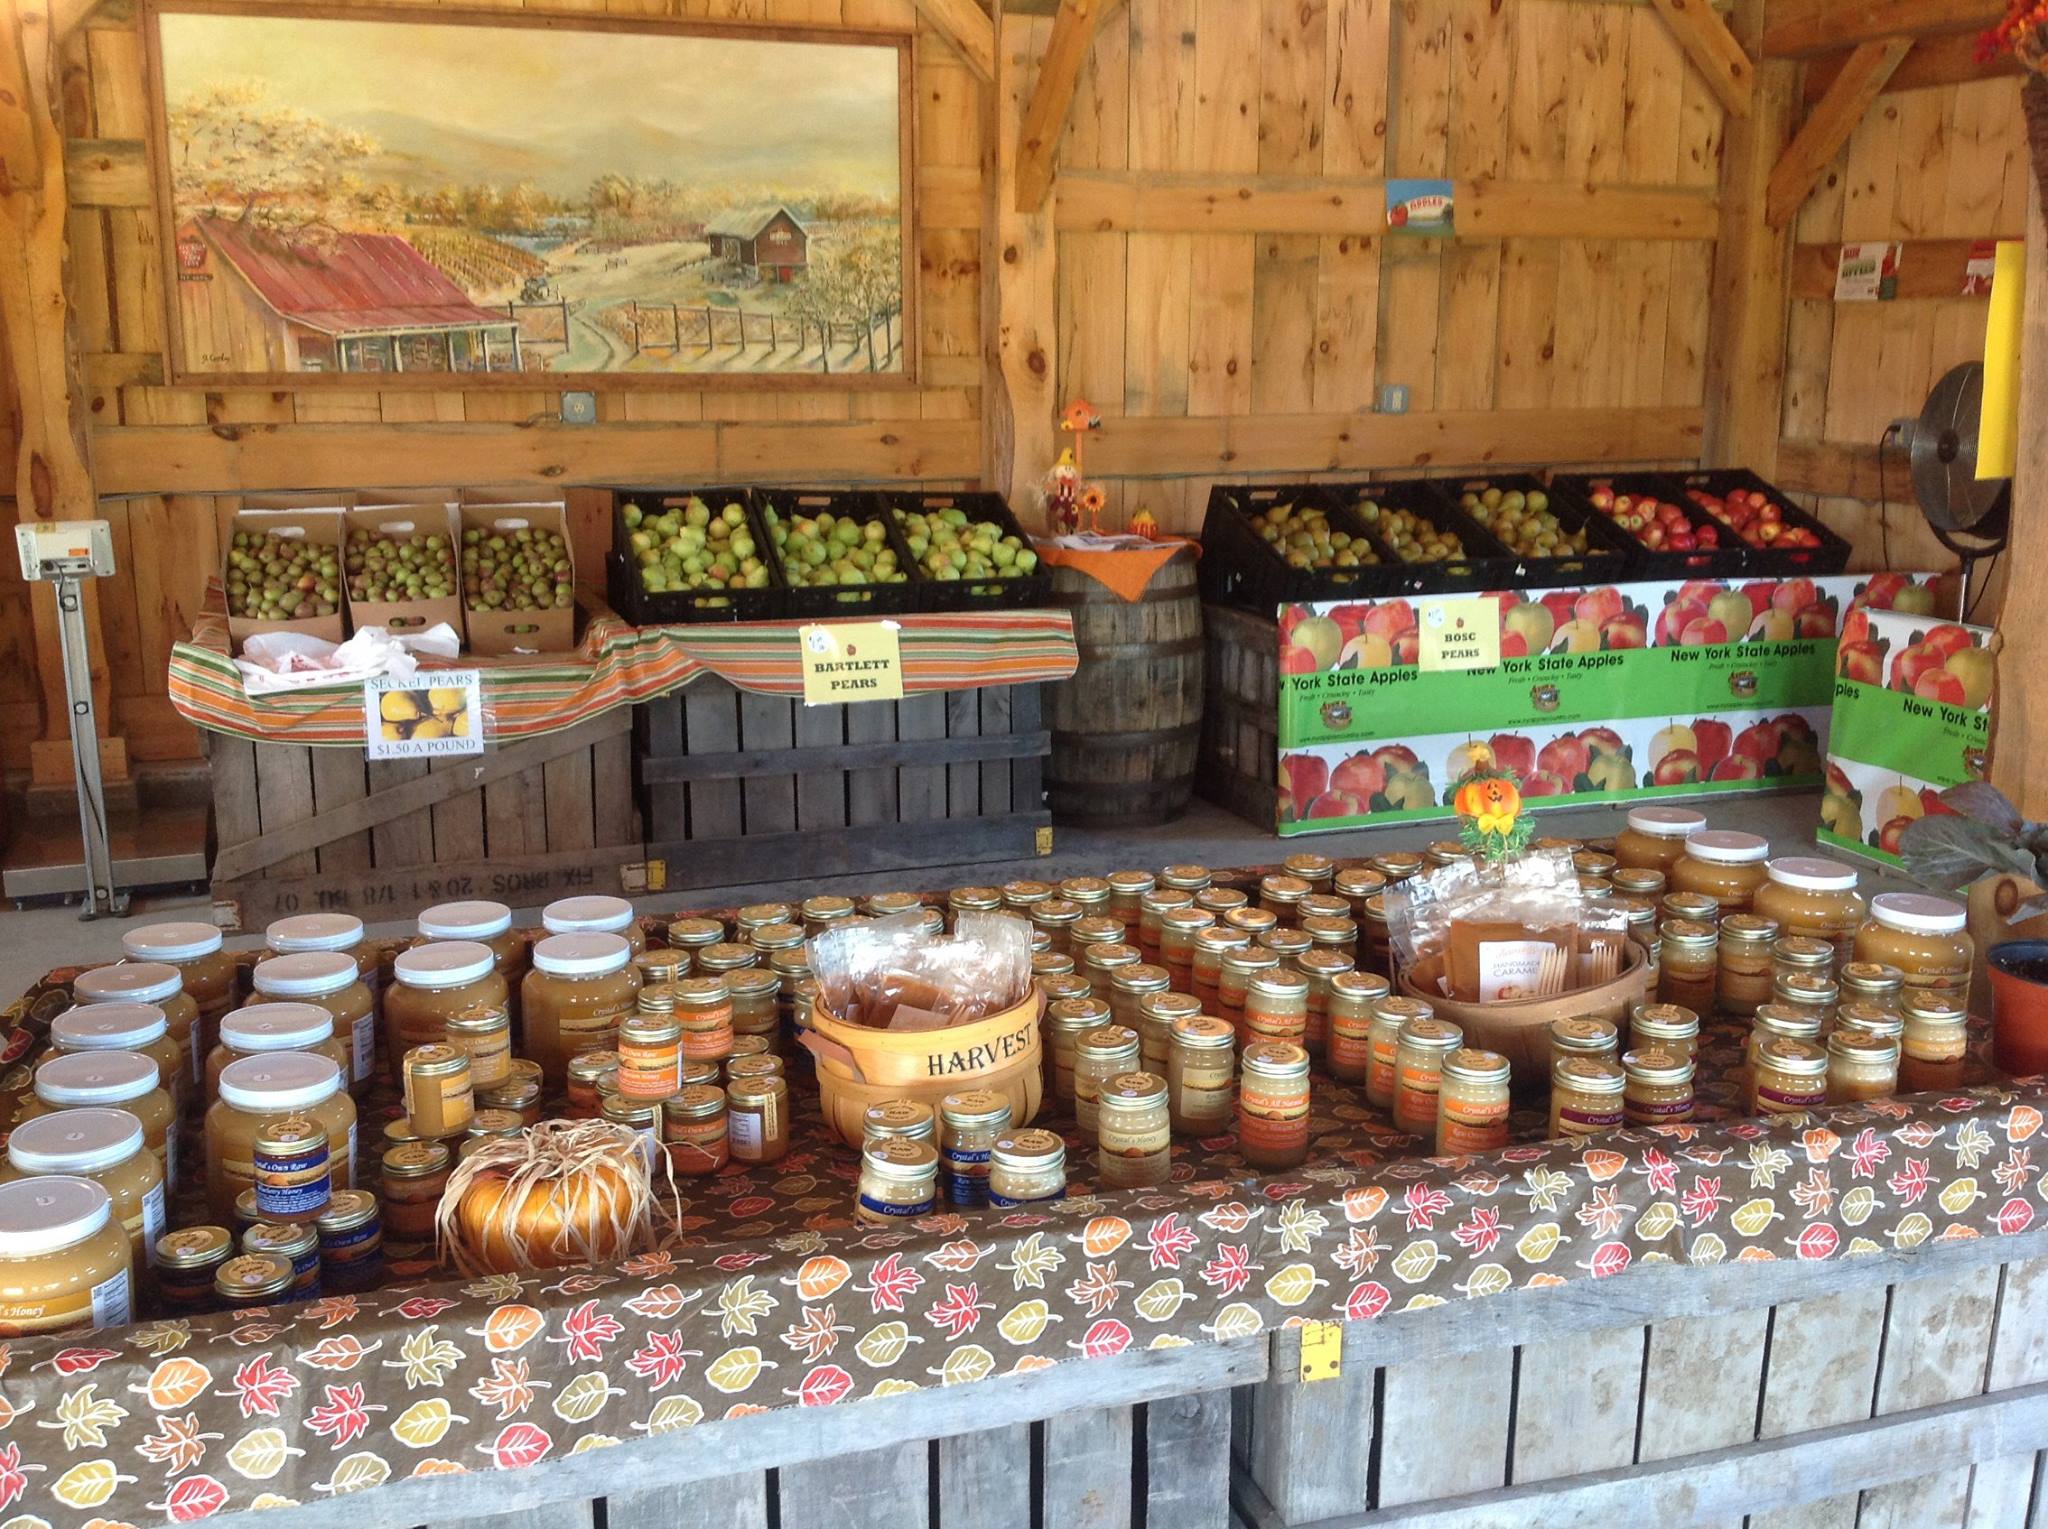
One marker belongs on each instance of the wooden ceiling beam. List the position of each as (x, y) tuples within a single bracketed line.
[(1828, 126), (1801, 28), (1706, 40), (1052, 98), (969, 28), (1934, 61)]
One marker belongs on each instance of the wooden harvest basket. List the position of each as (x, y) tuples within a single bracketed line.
[(1521, 1031)]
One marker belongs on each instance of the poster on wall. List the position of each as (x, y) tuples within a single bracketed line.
[(494, 196), (1604, 693), (1912, 717)]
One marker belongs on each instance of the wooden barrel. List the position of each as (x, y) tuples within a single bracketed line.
[(1126, 727)]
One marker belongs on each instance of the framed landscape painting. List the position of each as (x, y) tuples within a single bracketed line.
[(508, 196)]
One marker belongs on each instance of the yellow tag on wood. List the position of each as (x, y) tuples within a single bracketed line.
[(1459, 634), (1322, 1350), (1042, 841), (851, 661), (1998, 423)]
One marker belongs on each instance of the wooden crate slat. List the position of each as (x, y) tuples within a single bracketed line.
[(876, 1489), (1683, 1411), (769, 795), (1187, 1461), (1427, 1450), (745, 764), (658, 735), (722, 1502), (552, 1515), (232, 763), (820, 789), (408, 838), (850, 851), (396, 891), (1821, 1370), (711, 725), (572, 816), (612, 801), (2002, 1490), (984, 1479), (458, 821), (1577, 1400), (1027, 774), (921, 789), (284, 785), (1085, 1468), (996, 722), (339, 780), (1937, 1346), (963, 780), (1310, 1445), (870, 792)]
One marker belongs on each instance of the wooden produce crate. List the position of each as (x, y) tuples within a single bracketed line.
[(1239, 761), (734, 784), (305, 829)]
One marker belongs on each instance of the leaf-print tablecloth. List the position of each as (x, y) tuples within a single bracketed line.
[(769, 1296)]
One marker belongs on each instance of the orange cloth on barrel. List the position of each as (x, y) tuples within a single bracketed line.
[(1126, 571)]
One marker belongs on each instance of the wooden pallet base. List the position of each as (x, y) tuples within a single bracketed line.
[(1238, 766), (253, 901)]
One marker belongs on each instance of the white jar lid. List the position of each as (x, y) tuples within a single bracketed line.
[(288, 1080), (587, 915), (75, 1141), (1917, 913), (109, 1027), (1726, 846), (582, 955), (314, 931), (306, 974), (276, 1027), (445, 963), (128, 982), (1811, 873), (46, 1215), (1666, 822), (170, 942), (96, 1077), (465, 921)]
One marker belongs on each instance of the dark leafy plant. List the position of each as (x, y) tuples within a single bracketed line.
[(1982, 834)]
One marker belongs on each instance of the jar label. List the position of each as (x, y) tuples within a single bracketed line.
[(876, 1207), (152, 1221), (967, 1188), (1772, 1101), (363, 1046), (1514, 969), (1272, 1134), (171, 1156), (1583, 1121), (108, 1304), (1004, 1202), (1650, 1110), (112, 1302), (1456, 1136), (744, 1128), (335, 1245)]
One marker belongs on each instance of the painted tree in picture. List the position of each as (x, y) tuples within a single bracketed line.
[(400, 196)]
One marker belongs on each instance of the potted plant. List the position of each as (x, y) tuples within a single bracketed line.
[(1982, 842), (2023, 32)]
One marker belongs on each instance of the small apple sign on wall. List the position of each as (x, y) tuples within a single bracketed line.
[(1459, 634)]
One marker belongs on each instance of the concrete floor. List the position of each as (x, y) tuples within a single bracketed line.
[(35, 939)]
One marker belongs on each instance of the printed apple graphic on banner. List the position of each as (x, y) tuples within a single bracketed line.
[(1712, 740), (1841, 806), (1511, 751)]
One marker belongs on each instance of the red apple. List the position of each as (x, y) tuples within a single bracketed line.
[(1393, 757), (1513, 645), (1888, 836), (1912, 662), (1860, 661), (1759, 594), (1939, 685), (1335, 804), (1931, 804), (1713, 739), (1737, 767), (1680, 767), (1599, 605), (1562, 605), (1759, 742), (1564, 756), (1794, 595), (1295, 659), (1882, 590), (1603, 740), (1546, 783), (1947, 639), (1856, 625), (1624, 632), (1350, 619), (1674, 619), (1408, 648), (1361, 776), (1307, 776), (1389, 619), (1815, 620), (1511, 751), (1702, 632)]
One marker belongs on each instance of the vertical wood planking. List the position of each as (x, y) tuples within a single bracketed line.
[(1310, 1446), (459, 821), (1578, 1400), (720, 1502), (572, 814), (611, 789), (1086, 1473), (2001, 1490), (920, 789), (767, 722), (1482, 65), (711, 725), (232, 764), (284, 782), (984, 1479), (658, 734), (1822, 1371), (1187, 1461), (1937, 1346), (821, 795), (880, 1489), (407, 839), (963, 781), (338, 779), (1292, 67), (1428, 1449), (870, 794), (1682, 1413), (995, 773)]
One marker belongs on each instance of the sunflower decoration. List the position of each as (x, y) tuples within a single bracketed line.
[(1490, 803), (1092, 501)]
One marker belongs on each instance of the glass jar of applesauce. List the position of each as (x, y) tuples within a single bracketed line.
[(1024, 895), (972, 900), (1375, 936), (1924, 937), (185, 1262), (1774, 1021), (1347, 1047), (1281, 895), (1861, 1066), (1791, 1076), (1870, 1019), (1091, 893), (1089, 932), (1723, 864), (1061, 986), (440, 1098), (415, 1174), (1027, 1167), (1276, 1006), (1586, 1095), (106, 1146), (253, 1092), (1178, 931), (1130, 986), (1156, 1016), (1814, 992), (1316, 870), (584, 1078), (332, 980), (1390, 1015), (1066, 1021), (1234, 979), (1273, 1106), (969, 1124), (206, 970), (1222, 901), (643, 1118), (1134, 1136), (692, 933), (1099, 1056), (136, 1027), (1798, 953), (1583, 1035), (1256, 922), (1397, 867), (1655, 838), (1687, 907), (1331, 931), (1657, 1088), (1127, 891), (1355, 883), (64, 1258), (580, 988), (1646, 882), (1472, 1102), (693, 1130), (1418, 1063), (431, 984), (1689, 964), (910, 1119), (484, 1030), (1153, 908), (156, 984), (1206, 972), (1099, 964), (1187, 878), (1932, 1054), (1321, 967), (303, 932), (1199, 1072), (757, 1119), (898, 1182), (1874, 983), (110, 1079), (1665, 1027), (1055, 918), (1744, 962), (1814, 899), (595, 915)]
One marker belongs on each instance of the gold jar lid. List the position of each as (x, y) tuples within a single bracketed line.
[(1324, 905), (1063, 987), (724, 957), (1442, 852), (514, 1094), (1041, 940), (1396, 867), (1052, 963), (790, 964), (1029, 1151), (1400, 1007), (1356, 881), (1596, 888), (1096, 930), (1253, 921), (752, 982), (1871, 978), (1203, 1032), (1218, 938), (896, 1157), (899, 1117), (1553, 841), (1585, 1035), (496, 1121), (1799, 950), (1470, 1064), (1132, 883), (1693, 907), (974, 1107), (1330, 928), (1309, 867), (1588, 1075), (1640, 912), (1868, 1017), (762, 1066), (245, 1208), (1280, 982), (1088, 891), (1863, 1048), (699, 1074), (1933, 1008), (346, 1210), (480, 1019), (659, 966), (760, 915), (253, 1276), (1285, 942), (1691, 934), (1781, 1053), (774, 938), (826, 909), (1637, 880), (1591, 862), (1283, 888), (697, 1101), (437, 1059), (1656, 1067), (1133, 1091), (289, 1136), (589, 1066), (1431, 1034), (1107, 956), (1361, 987), (290, 1242), (1250, 958), (1186, 878), (651, 1028), (694, 994), (1666, 1021), (1787, 1020), (748, 1045), (1749, 929), (1106, 1043), (1059, 910), (1167, 1007), (757, 1091), (194, 1247), (1076, 1014), (888, 904), (975, 899), (1142, 978), (1221, 901), (1807, 987), (415, 1160), (630, 1112), (1022, 894), (693, 934), (1279, 1060), (1322, 966), (399, 1130), (1165, 900)]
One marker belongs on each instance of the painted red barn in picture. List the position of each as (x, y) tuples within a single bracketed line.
[(767, 243), (252, 299)]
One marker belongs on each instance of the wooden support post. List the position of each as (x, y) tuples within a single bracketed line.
[(965, 25), (1829, 125), (1798, 28), (2020, 718), (1019, 317), (1045, 120), (53, 468), (1746, 339), (1706, 40)]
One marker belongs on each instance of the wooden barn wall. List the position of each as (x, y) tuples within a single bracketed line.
[(1937, 167)]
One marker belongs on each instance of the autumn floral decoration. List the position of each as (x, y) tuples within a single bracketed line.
[(1489, 804), (2019, 32)]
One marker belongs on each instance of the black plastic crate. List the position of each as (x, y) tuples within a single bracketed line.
[(676, 607), (1772, 560), (838, 601), (1240, 567), (1015, 591), (1486, 564), (1730, 560), (1610, 551)]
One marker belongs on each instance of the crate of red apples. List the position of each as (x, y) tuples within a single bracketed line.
[(1785, 539), (1720, 524)]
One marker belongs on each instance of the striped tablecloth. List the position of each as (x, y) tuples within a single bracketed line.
[(618, 665)]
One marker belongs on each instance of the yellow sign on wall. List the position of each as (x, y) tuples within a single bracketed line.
[(1459, 634), (851, 661)]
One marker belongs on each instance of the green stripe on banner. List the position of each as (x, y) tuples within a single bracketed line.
[(1903, 733)]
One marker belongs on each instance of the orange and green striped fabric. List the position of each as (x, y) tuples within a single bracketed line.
[(619, 665)]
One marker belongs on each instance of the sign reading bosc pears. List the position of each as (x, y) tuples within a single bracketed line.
[(851, 661), (1603, 693), (1459, 634)]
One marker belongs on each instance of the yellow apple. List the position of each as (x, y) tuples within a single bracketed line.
[(1676, 736), (1365, 651), (1973, 666), (1467, 757), (1578, 636), (1534, 622), (1839, 815), (1898, 802)]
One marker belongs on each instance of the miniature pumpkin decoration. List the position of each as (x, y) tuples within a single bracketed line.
[(562, 1192), (1490, 802)]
